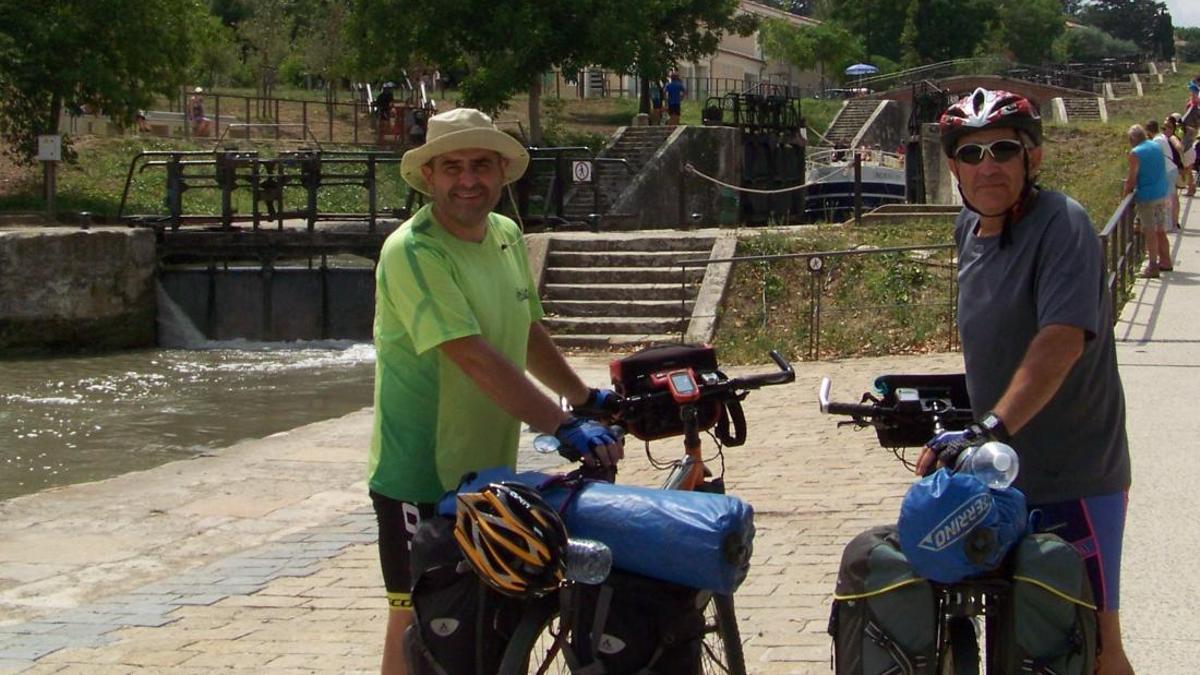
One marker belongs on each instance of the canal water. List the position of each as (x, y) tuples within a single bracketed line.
[(81, 418)]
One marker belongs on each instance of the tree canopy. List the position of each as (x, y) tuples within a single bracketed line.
[(111, 56), (1146, 23), (508, 52), (829, 45)]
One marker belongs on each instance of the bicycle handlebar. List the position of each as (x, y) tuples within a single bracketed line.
[(909, 422), (723, 388)]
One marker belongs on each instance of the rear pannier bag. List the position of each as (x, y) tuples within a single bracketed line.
[(460, 626), (1048, 623), (633, 625), (884, 617)]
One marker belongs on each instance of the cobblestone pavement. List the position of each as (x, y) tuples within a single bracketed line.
[(311, 600)]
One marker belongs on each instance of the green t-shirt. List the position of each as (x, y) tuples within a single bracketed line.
[(432, 422)]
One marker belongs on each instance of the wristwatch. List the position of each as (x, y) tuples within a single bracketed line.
[(994, 427)]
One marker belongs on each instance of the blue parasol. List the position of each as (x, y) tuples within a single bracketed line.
[(861, 69)]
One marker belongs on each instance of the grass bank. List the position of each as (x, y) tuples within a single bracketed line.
[(898, 303)]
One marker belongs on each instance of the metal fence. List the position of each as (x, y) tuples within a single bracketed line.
[(861, 302), (1122, 253), (877, 301)]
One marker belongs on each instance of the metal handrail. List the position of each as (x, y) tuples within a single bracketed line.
[(1122, 252)]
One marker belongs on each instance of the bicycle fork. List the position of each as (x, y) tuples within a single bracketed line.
[(688, 473)]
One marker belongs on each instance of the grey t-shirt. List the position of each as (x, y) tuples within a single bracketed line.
[(1050, 274)]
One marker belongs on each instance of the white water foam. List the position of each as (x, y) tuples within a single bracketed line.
[(175, 328)]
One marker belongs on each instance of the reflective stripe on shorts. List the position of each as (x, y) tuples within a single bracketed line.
[(400, 602)]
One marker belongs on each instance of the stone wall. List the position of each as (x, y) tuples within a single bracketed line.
[(70, 289), (662, 195), (939, 182)]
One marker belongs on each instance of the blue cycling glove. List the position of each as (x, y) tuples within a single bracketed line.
[(582, 437), (949, 444), (600, 403)]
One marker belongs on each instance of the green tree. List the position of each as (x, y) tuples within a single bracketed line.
[(648, 38), (323, 47), (829, 45), (1089, 45), (112, 56), (215, 50), (1135, 20), (879, 23), (507, 52), (267, 33), (1028, 28), (941, 30)]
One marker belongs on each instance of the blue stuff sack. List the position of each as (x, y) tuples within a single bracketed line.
[(697, 539), (952, 526)]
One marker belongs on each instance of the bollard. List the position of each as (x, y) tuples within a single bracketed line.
[(85, 220)]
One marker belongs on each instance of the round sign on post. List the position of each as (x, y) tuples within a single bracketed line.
[(816, 263), (581, 171)]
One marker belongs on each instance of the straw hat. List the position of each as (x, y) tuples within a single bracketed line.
[(198, 90), (460, 129)]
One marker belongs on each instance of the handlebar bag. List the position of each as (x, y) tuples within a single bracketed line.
[(460, 626), (952, 526), (1048, 620), (696, 539), (660, 418), (883, 618)]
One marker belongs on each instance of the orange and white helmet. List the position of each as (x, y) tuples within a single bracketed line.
[(512, 539)]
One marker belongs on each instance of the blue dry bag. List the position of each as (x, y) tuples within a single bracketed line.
[(952, 526)]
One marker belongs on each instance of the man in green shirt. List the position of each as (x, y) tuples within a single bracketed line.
[(456, 327)]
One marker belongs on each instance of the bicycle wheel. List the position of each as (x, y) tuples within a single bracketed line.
[(537, 645), (721, 652), (962, 649)]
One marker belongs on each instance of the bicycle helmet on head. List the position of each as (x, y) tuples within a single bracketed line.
[(989, 109), (512, 539), (994, 109)]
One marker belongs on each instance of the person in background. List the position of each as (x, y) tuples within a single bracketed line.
[(1166, 141), (457, 326), (656, 103), (675, 91), (196, 113), (1148, 176)]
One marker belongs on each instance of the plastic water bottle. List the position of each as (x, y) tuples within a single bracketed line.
[(993, 463), (588, 561)]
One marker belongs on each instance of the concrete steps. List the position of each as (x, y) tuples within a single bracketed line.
[(850, 120), (1080, 109), (602, 292), (635, 145)]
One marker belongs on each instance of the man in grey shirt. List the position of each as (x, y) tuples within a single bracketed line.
[(1035, 320)]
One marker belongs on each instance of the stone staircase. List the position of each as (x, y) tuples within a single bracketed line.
[(636, 145), (1082, 109), (602, 291), (850, 121), (1124, 89)]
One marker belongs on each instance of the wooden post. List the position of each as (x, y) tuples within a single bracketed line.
[(50, 176), (49, 152), (857, 187)]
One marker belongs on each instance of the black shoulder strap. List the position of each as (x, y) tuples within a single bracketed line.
[(731, 411)]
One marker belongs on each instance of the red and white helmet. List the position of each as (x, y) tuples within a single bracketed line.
[(989, 109)]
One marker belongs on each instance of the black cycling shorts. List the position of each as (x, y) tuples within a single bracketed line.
[(673, 109), (398, 523)]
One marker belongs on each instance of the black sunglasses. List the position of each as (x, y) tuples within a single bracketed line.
[(1002, 151)]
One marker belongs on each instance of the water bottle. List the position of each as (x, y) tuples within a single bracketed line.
[(588, 561), (993, 463)]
